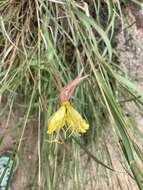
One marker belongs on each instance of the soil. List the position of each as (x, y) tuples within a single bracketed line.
[(28, 150)]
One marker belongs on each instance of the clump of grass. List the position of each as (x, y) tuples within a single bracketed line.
[(44, 44)]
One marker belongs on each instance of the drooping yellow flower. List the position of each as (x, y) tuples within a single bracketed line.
[(66, 114), (57, 120)]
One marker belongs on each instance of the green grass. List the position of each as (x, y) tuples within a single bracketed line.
[(43, 45)]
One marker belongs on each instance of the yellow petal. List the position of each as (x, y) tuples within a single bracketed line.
[(75, 121), (57, 120)]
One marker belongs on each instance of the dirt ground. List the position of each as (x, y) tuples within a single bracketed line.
[(28, 150)]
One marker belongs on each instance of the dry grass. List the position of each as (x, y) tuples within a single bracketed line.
[(43, 45)]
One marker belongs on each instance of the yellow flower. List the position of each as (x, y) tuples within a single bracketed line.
[(66, 114)]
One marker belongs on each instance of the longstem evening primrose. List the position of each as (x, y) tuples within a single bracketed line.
[(66, 114)]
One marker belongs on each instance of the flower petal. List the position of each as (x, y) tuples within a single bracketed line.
[(57, 120), (75, 121)]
